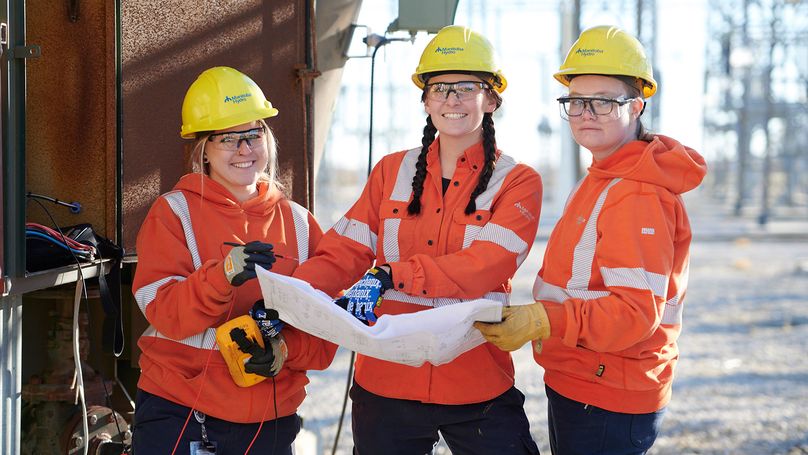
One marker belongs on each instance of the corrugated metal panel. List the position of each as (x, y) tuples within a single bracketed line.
[(161, 56)]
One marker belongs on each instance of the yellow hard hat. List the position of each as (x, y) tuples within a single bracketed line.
[(609, 51), (458, 48), (220, 98)]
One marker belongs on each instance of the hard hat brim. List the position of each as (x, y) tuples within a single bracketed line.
[(189, 131), (648, 90), (503, 83)]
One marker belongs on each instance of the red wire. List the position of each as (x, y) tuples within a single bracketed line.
[(201, 386), (69, 241), (266, 408)]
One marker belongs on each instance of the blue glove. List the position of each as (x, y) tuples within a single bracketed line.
[(366, 294), (267, 320)]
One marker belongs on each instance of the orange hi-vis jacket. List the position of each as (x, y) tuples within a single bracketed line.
[(614, 278), (440, 257), (181, 288)]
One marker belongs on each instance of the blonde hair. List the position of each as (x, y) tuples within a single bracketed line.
[(270, 174)]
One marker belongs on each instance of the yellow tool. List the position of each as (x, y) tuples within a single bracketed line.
[(235, 357)]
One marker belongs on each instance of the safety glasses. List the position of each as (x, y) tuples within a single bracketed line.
[(574, 106), (439, 91), (231, 140)]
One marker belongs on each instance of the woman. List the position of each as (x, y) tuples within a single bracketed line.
[(609, 295), (197, 252), (445, 222)]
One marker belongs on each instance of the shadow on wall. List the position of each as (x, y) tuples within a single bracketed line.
[(162, 54)]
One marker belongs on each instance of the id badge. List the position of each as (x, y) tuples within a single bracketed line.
[(201, 448)]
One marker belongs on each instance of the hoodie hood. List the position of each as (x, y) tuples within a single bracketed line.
[(663, 161), (213, 192)]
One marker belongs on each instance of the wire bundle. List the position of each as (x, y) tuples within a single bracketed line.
[(81, 250)]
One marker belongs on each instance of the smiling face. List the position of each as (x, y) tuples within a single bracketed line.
[(238, 169), (457, 120), (604, 134)]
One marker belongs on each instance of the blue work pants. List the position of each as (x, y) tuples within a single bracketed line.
[(580, 429), (158, 423), (403, 427)]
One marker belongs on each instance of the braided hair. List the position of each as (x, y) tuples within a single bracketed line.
[(490, 149), (420, 168)]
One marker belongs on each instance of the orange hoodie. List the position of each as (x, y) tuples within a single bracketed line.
[(181, 288), (440, 257), (614, 278)]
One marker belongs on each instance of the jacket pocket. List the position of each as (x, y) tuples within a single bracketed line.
[(396, 232), (466, 228)]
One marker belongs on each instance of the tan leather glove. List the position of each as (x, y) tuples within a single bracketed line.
[(520, 324)]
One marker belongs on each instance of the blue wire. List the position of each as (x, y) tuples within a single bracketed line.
[(29, 232)]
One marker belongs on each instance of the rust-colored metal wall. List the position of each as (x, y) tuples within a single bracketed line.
[(162, 53), (70, 112)]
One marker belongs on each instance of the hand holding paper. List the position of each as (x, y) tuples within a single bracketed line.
[(436, 335)]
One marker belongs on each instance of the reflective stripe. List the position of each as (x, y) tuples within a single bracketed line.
[(470, 234), (503, 237), (146, 294), (390, 240), (673, 311), (301, 218), (672, 314), (490, 232), (502, 168), (584, 253), (402, 191), (674, 307), (399, 296), (176, 200), (356, 231), (546, 291), (406, 172), (179, 205), (636, 278), (204, 340), (572, 194)]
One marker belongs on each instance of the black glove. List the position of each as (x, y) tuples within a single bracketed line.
[(240, 262), (266, 361)]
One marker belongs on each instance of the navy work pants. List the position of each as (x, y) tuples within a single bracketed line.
[(403, 427), (158, 423), (578, 428)]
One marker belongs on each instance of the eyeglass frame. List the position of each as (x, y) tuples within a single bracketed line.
[(460, 96), (587, 100), (250, 145)]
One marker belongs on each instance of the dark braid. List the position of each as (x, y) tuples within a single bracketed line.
[(490, 149), (420, 168)]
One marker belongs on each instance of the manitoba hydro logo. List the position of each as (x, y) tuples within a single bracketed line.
[(449, 50), (236, 99), (588, 52)]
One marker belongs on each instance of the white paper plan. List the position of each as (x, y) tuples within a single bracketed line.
[(436, 335)]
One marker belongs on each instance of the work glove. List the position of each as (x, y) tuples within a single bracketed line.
[(265, 361), (240, 262), (520, 324), (366, 294), (268, 320)]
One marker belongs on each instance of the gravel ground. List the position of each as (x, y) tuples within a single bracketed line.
[(742, 381)]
